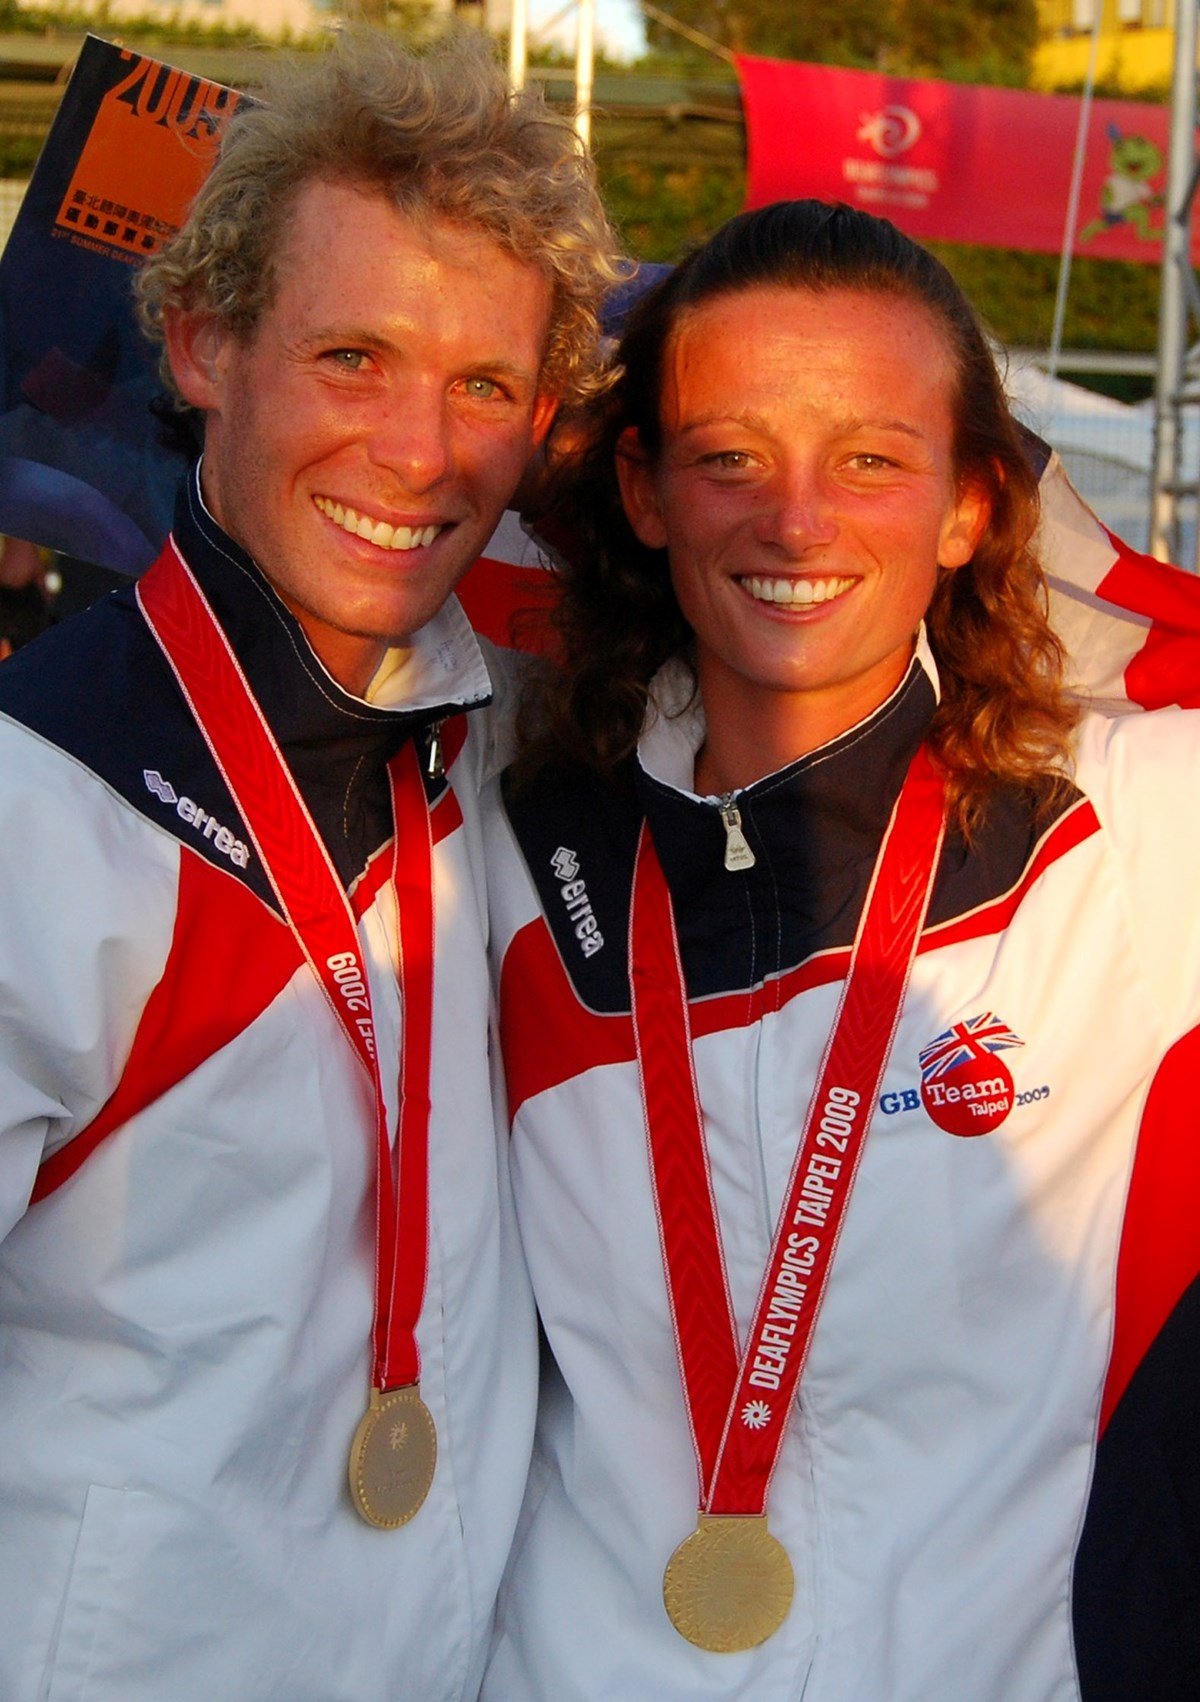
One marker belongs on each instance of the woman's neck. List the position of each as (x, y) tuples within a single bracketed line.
[(752, 731)]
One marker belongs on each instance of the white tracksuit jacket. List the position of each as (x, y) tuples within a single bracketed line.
[(185, 1319), (989, 1490)]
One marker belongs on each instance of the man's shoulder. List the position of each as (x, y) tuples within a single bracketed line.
[(95, 699), (97, 689), (103, 655), (493, 727)]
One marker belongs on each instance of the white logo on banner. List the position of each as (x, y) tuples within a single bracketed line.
[(890, 131)]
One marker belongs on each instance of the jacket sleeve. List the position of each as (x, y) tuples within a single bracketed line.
[(87, 900), (1142, 775)]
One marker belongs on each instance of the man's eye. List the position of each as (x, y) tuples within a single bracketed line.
[(481, 389), (349, 360), (729, 460)]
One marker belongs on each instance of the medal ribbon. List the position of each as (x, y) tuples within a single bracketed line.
[(738, 1403), (318, 913)]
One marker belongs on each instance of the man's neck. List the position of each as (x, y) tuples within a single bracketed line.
[(350, 660)]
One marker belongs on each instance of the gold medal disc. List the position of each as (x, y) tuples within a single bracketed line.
[(729, 1585), (392, 1457)]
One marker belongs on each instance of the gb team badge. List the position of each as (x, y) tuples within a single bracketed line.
[(965, 1086)]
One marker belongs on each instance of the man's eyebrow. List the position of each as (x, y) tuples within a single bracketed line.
[(505, 369), (357, 337), (345, 336)]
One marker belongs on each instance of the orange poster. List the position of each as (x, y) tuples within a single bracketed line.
[(148, 151)]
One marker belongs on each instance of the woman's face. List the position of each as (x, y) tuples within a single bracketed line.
[(805, 493)]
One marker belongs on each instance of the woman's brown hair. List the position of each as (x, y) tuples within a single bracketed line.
[(1003, 715)]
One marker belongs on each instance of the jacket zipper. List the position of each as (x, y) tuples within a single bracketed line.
[(434, 765), (738, 854)]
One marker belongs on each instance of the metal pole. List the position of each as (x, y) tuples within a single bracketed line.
[(1072, 220), (585, 69), (1173, 293), (518, 43)]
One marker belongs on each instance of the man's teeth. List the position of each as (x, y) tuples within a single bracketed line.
[(793, 592), (376, 531)]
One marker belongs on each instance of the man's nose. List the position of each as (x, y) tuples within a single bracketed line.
[(410, 438)]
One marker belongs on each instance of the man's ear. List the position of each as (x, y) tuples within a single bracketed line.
[(195, 343), (964, 525), (639, 490), (545, 407)]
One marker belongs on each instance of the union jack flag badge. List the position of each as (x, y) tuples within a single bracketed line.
[(965, 1086)]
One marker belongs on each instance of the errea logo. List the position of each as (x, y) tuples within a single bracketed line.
[(565, 864), (235, 849)]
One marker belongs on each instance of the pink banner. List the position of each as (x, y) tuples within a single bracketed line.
[(955, 162)]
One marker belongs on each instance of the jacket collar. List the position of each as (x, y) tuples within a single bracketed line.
[(441, 671), (675, 726), (336, 745), (814, 826)]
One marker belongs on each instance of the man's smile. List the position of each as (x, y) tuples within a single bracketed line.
[(376, 532)]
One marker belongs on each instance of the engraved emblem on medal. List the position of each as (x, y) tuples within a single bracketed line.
[(729, 1585), (392, 1458)]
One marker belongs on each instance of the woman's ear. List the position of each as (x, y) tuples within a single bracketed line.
[(964, 525), (638, 482)]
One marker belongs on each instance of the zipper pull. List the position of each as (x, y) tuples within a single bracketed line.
[(738, 854), (434, 766)]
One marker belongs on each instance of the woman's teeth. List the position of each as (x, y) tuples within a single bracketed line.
[(793, 592)]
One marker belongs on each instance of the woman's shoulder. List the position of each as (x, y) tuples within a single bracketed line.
[(1143, 748)]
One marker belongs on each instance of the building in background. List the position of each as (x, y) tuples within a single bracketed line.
[(273, 19), (1135, 51)]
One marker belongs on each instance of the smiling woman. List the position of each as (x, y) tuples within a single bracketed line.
[(811, 390), (807, 496), (814, 912)]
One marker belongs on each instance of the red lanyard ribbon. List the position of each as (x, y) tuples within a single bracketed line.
[(318, 913), (738, 1402)]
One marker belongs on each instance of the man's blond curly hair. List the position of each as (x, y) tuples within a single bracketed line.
[(442, 136)]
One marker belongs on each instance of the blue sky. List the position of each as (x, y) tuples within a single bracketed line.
[(618, 23)]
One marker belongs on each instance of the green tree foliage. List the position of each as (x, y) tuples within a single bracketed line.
[(668, 186), (983, 41), (836, 32), (144, 29), (987, 41)]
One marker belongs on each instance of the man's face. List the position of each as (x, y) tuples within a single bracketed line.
[(362, 443)]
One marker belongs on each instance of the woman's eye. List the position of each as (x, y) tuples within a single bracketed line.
[(482, 389), (729, 460)]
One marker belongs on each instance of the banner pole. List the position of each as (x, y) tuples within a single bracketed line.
[(1072, 221), (1173, 303), (585, 62), (518, 43)]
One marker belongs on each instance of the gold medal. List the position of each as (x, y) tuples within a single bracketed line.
[(392, 1457), (729, 1585)]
